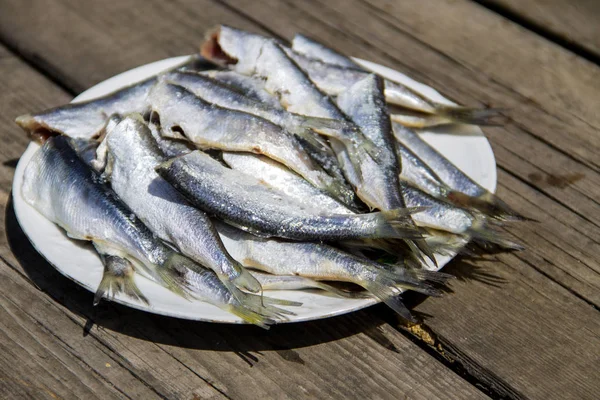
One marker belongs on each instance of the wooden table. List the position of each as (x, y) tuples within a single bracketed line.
[(520, 325)]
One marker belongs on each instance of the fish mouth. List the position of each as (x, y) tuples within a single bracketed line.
[(212, 50), (37, 131)]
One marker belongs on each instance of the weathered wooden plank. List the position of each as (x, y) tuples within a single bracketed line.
[(573, 22), (468, 81), (335, 358), (35, 355), (534, 334)]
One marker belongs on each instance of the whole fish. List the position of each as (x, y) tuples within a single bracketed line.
[(66, 191), (133, 153), (364, 103), (182, 114), (436, 214), (323, 262), (254, 88), (464, 191), (295, 282), (247, 202), (333, 78)]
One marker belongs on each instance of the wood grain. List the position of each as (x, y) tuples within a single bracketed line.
[(520, 324), (573, 22), (125, 353)]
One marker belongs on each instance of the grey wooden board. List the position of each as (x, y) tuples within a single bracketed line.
[(574, 22), (547, 154)]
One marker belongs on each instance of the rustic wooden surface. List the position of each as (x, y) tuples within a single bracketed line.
[(573, 23), (522, 325)]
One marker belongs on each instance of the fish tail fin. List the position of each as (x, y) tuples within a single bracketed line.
[(422, 251), (444, 114), (387, 291), (397, 223), (251, 316), (259, 310), (471, 116), (446, 243), (489, 204), (481, 231), (437, 277), (418, 280), (118, 277)]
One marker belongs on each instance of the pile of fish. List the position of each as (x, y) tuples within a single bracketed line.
[(256, 166)]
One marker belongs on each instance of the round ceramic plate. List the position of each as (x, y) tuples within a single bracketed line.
[(465, 146)]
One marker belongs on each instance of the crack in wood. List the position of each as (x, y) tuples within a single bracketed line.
[(541, 30)]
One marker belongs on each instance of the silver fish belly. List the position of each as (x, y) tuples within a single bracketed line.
[(281, 178)]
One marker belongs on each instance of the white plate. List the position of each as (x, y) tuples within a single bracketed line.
[(469, 150)]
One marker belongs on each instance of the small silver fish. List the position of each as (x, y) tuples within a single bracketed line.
[(253, 54), (379, 188), (218, 93), (86, 119), (322, 262), (208, 126), (247, 202)]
